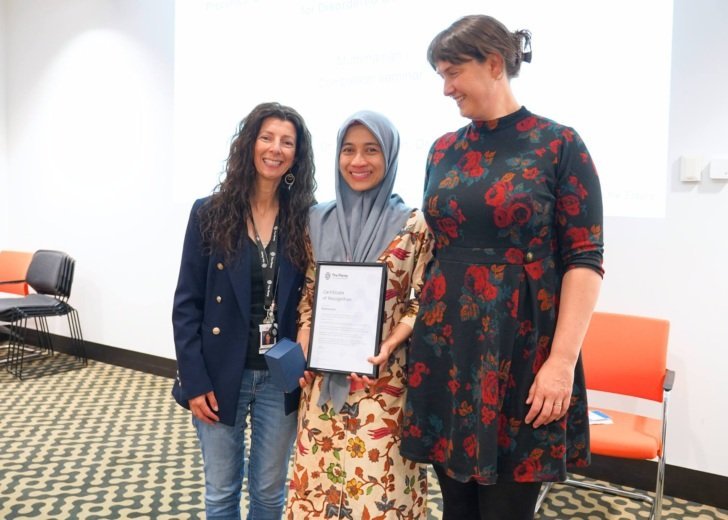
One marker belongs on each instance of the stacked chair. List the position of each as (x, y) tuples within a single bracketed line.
[(13, 268), (50, 275)]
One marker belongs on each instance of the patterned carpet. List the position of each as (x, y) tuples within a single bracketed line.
[(104, 442)]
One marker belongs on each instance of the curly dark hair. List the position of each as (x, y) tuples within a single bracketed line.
[(223, 219)]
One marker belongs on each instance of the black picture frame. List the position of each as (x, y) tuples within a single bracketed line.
[(349, 276)]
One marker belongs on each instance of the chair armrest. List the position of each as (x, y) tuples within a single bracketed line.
[(6, 282), (669, 380)]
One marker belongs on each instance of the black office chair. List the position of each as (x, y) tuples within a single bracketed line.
[(50, 275)]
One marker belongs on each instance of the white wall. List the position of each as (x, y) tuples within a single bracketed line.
[(90, 155), (3, 136), (675, 267), (89, 118)]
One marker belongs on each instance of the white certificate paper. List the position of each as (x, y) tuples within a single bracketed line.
[(347, 317)]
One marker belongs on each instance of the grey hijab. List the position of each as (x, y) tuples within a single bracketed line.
[(358, 226)]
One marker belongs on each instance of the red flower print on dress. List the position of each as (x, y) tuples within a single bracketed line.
[(524, 125), (520, 210), (568, 134), (496, 194), (468, 308), (504, 441), (502, 218), (438, 450), (487, 414), (470, 444), (437, 157), (434, 314), (546, 299), (470, 164), (465, 408), (433, 290), (445, 141), (530, 173), (490, 293), (513, 303), (415, 380), (578, 187), (569, 204), (535, 242), (414, 431), (489, 388), (514, 256), (476, 281), (525, 327), (554, 145), (476, 278), (455, 211), (448, 226), (542, 352), (453, 385), (535, 269), (439, 286), (579, 237), (415, 377), (527, 470), (558, 451)]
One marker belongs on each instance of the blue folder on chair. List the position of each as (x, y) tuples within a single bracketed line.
[(286, 364)]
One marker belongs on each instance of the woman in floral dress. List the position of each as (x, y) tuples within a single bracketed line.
[(347, 461), (496, 399)]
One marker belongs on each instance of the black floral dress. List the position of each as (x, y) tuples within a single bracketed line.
[(513, 203)]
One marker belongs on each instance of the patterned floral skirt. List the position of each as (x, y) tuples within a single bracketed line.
[(347, 463)]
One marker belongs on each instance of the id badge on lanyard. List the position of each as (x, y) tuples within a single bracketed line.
[(268, 336), (268, 330)]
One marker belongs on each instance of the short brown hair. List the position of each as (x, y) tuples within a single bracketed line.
[(474, 37)]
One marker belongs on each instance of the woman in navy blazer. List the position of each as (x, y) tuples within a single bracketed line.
[(240, 277)]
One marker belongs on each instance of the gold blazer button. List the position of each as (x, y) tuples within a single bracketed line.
[(218, 299), (220, 267), (216, 330)]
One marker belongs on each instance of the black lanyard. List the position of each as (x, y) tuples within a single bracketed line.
[(268, 264)]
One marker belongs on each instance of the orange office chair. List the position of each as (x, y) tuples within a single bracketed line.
[(13, 267), (626, 355)]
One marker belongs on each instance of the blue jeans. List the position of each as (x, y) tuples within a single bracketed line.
[(223, 448)]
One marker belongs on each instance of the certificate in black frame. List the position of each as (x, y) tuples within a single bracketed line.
[(342, 275)]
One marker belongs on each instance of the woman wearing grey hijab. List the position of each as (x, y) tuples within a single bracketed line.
[(347, 461)]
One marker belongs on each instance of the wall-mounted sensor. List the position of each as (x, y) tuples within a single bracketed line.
[(718, 168), (691, 168)]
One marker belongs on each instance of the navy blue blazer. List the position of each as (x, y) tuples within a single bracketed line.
[(211, 320)]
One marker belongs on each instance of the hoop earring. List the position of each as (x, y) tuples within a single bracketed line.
[(289, 179)]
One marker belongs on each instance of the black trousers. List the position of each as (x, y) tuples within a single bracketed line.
[(471, 501)]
